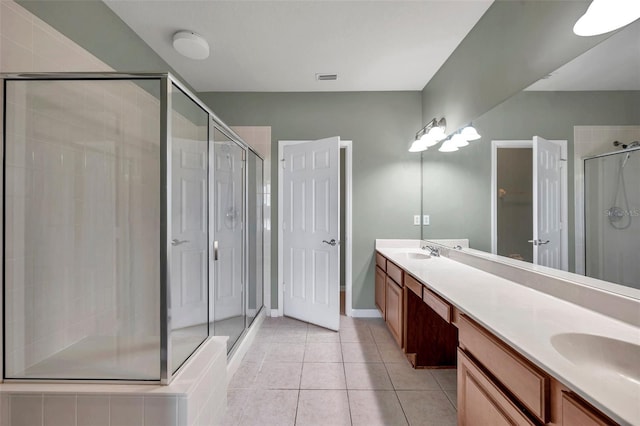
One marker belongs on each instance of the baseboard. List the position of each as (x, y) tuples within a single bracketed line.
[(274, 313), (365, 313)]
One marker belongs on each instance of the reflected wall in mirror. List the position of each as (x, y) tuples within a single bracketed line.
[(591, 102)]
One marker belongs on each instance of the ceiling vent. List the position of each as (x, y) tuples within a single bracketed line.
[(326, 77)]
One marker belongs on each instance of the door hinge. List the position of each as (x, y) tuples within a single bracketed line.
[(284, 163), (244, 155)]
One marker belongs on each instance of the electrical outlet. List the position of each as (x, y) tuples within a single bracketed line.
[(425, 219), (416, 219)]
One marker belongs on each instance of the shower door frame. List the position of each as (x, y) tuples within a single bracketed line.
[(583, 201), (167, 81)]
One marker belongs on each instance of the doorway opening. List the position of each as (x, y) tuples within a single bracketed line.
[(344, 284)]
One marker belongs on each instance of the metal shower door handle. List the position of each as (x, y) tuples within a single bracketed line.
[(215, 250), (331, 243)]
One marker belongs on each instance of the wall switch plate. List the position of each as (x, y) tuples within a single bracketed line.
[(416, 219), (425, 219)]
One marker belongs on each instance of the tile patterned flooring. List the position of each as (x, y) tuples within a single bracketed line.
[(299, 374)]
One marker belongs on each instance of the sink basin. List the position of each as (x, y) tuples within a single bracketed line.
[(600, 354), (416, 255)]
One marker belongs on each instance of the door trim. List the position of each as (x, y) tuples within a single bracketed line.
[(348, 245), (564, 204)]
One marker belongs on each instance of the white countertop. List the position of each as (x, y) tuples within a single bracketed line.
[(527, 319)]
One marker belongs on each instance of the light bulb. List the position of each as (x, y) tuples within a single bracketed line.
[(470, 133), (604, 16), (417, 146), (448, 146), (459, 141)]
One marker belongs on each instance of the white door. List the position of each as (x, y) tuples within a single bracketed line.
[(310, 229), (228, 227), (547, 207), (189, 237)]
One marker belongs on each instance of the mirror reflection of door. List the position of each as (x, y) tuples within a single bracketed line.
[(228, 176)]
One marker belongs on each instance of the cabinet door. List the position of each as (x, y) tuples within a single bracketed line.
[(577, 413), (380, 290), (480, 401), (393, 309)]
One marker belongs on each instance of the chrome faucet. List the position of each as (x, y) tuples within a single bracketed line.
[(433, 251)]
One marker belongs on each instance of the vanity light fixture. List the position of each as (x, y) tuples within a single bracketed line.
[(437, 132), (418, 145), (604, 16), (427, 136), (470, 133), (191, 45), (459, 141), (448, 146)]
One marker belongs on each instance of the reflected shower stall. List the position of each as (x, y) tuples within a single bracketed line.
[(612, 216), (132, 228)]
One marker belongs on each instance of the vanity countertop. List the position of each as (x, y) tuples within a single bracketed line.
[(528, 320)]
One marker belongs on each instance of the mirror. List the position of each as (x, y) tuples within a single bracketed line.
[(485, 191)]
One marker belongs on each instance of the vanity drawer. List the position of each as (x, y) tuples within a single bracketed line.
[(480, 401), (525, 381), (577, 413), (381, 261), (436, 303), (413, 285), (394, 273)]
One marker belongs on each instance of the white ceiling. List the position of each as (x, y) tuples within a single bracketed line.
[(279, 46), (613, 64)]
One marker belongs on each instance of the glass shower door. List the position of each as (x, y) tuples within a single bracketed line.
[(228, 281), (612, 217), (189, 226), (255, 205)]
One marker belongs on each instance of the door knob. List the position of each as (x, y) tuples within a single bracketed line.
[(177, 242), (538, 242), (331, 243)]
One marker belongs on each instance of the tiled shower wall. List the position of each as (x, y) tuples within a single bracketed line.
[(28, 44)]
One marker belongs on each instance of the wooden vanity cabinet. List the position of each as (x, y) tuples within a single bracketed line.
[(381, 284), (388, 296), (430, 339), (497, 385), (481, 401), (394, 310)]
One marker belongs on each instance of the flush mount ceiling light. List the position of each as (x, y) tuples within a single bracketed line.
[(604, 16), (191, 45), (470, 133)]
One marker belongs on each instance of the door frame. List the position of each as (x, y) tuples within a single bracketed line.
[(348, 245), (564, 205)]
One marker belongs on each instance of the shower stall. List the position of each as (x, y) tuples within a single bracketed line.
[(132, 221), (612, 216)]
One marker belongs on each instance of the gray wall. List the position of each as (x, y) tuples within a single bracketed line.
[(457, 185), (514, 45), (386, 178), (96, 28)]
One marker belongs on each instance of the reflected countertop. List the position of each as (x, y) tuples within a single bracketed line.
[(528, 320)]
